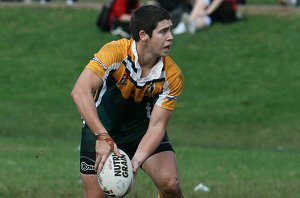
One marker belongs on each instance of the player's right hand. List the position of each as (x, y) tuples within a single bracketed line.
[(103, 150), (104, 146)]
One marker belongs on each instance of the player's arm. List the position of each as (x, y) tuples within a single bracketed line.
[(159, 119), (82, 94), (153, 137)]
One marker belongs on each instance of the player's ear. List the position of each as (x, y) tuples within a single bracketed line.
[(143, 35)]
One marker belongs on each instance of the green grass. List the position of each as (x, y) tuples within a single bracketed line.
[(241, 79), (236, 127)]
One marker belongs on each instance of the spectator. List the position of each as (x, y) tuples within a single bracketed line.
[(70, 2), (205, 12), (289, 2), (115, 17), (43, 2), (242, 2), (176, 8)]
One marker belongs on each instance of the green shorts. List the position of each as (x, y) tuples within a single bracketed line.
[(127, 143)]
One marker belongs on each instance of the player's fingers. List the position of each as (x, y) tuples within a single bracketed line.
[(101, 164), (98, 159), (135, 172), (135, 167), (116, 151)]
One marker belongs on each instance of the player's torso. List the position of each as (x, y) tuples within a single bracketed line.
[(125, 101)]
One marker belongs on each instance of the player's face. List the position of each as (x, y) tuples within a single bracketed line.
[(161, 40)]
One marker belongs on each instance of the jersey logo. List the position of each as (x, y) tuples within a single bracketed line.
[(151, 88), (124, 79)]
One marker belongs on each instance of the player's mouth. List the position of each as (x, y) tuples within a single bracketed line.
[(167, 48)]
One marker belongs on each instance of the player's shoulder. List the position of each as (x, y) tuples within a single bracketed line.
[(115, 51), (121, 44), (171, 67)]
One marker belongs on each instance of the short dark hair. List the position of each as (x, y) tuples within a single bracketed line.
[(146, 18)]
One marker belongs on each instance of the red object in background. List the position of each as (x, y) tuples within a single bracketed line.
[(121, 7), (233, 3)]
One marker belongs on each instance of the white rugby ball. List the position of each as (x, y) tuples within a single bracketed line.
[(116, 177)]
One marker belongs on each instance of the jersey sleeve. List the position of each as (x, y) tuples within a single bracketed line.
[(172, 88), (107, 59)]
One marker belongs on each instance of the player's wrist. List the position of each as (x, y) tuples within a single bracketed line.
[(105, 137), (103, 131), (140, 157)]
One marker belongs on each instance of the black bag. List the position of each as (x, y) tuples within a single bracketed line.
[(225, 13), (241, 1), (103, 19)]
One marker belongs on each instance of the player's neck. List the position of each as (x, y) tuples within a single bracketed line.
[(146, 58)]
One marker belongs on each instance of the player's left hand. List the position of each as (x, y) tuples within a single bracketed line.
[(135, 166)]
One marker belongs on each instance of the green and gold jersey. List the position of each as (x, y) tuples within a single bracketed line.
[(125, 100)]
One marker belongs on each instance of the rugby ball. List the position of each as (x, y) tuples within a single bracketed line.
[(116, 177)]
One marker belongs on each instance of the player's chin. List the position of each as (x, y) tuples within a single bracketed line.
[(166, 50), (165, 53)]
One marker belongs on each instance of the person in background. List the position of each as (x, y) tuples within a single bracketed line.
[(126, 96), (68, 2), (120, 15), (242, 2), (205, 12), (292, 3), (175, 7)]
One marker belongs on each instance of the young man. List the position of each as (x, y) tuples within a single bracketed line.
[(126, 95)]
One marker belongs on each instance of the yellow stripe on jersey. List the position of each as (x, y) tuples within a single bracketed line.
[(117, 59)]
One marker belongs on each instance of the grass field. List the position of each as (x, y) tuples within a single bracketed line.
[(236, 128)]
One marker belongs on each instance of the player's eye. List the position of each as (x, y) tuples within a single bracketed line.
[(164, 31)]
